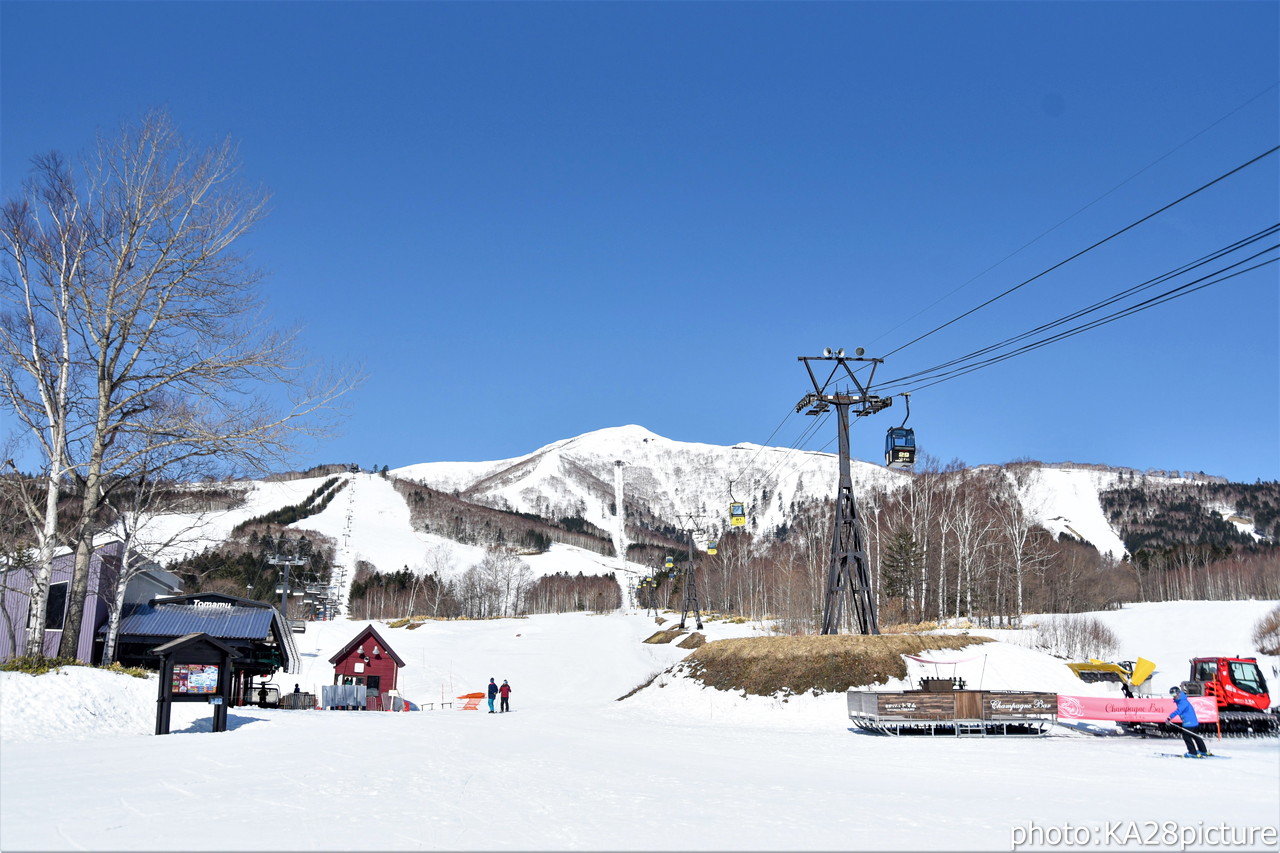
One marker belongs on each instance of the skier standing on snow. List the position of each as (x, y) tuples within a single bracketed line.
[(493, 692), (1184, 711), (505, 691)]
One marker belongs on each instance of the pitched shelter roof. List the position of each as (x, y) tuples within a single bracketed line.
[(373, 635), (226, 617), (175, 620), (172, 645)]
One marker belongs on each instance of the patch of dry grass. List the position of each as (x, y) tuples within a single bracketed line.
[(693, 641), (1266, 633), (664, 636), (764, 666)]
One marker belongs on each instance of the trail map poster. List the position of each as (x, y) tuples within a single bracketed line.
[(195, 678)]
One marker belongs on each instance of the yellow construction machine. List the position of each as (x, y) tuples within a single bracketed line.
[(1130, 675)]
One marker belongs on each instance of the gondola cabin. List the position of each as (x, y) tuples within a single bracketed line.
[(900, 448), (711, 548), (737, 515)]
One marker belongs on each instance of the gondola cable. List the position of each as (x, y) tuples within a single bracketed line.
[(1050, 230), (1183, 290), (1163, 278), (1087, 249)]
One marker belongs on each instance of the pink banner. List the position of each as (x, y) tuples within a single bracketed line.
[(1131, 710)]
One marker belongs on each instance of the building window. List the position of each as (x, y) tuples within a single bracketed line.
[(56, 612)]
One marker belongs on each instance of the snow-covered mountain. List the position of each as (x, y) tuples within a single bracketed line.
[(666, 482), (669, 479), (675, 479)]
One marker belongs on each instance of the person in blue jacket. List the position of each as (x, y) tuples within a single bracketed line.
[(493, 694), (1187, 714)]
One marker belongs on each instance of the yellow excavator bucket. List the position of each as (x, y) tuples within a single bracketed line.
[(1142, 670), (1099, 666)]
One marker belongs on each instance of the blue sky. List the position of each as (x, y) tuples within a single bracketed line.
[(532, 220)]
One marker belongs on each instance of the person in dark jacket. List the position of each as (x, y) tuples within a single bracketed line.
[(493, 693), (1187, 714), (505, 692)]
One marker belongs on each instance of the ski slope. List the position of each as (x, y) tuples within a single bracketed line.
[(676, 766)]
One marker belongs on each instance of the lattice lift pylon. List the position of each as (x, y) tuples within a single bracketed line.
[(848, 572)]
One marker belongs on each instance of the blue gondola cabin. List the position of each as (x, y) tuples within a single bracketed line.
[(900, 448)]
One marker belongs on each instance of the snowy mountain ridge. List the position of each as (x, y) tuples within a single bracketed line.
[(674, 479), (670, 479), (667, 482)]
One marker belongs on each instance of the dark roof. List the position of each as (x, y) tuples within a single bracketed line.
[(166, 648), (234, 622), (213, 597), (369, 632)]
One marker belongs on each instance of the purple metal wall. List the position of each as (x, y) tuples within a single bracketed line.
[(13, 619)]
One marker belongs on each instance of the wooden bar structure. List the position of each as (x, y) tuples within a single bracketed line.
[(960, 713)]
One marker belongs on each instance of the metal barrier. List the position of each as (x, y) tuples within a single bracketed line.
[(298, 701)]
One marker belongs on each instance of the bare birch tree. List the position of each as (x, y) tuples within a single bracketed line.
[(168, 353), (46, 241), (150, 516)]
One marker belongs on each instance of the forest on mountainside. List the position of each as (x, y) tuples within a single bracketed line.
[(499, 585), (242, 566), (957, 544), (1227, 516), (447, 515)]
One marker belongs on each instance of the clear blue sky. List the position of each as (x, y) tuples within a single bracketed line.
[(532, 220)]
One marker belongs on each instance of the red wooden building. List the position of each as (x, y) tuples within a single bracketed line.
[(367, 660)]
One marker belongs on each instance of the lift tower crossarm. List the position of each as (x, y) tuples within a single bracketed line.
[(861, 404)]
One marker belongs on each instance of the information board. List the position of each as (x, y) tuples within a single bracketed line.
[(191, 678)]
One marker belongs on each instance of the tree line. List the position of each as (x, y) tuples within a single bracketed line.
[(953, 543), (957, 543), (501, 584)]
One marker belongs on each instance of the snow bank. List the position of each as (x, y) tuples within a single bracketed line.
[(75, 703)]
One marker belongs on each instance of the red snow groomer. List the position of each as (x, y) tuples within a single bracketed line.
[(1241, 693)]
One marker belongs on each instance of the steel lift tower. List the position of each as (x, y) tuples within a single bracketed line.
[(848, 571), (288, 553), (690, 576)]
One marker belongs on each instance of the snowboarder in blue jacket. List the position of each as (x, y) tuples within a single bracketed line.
[(1185, 712), (493, 694)]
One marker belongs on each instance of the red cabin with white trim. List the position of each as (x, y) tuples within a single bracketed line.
[(367, 660)]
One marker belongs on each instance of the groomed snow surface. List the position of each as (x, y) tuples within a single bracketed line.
[(676, 766)]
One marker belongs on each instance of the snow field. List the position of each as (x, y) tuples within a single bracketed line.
[(675, 766)]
